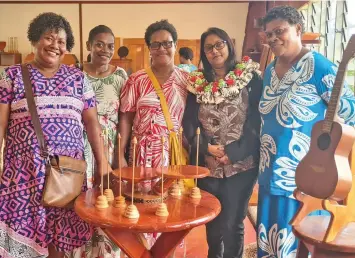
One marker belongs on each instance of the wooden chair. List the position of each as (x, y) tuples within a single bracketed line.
[(326, 236)]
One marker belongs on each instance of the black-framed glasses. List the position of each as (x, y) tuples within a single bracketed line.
[(278, 32), (218, 46), (156, 45)]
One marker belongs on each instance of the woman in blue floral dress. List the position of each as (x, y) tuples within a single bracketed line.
[(297, 88)]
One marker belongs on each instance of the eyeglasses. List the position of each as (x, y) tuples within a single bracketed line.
[(278, 32), (156, 45), (218, 46)]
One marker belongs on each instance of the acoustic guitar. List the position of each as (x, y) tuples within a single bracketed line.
[(325, 172)]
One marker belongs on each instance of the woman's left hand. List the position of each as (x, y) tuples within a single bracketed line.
[(224, 160)]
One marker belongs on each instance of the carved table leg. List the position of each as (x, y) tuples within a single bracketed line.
[(131, 245), (128, 242), (166, 243)]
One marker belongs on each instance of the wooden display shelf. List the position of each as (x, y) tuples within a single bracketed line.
[(7, 59)]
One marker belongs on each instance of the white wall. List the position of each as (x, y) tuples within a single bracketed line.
[(190, 20), (128, 20), (15, 18)]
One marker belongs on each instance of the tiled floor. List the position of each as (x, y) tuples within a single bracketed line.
[(196, 245)]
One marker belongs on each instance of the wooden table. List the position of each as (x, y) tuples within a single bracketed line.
[(183, 172), (311, 230), (184, 214)]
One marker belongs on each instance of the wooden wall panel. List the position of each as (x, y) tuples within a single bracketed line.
[(258, 9), (194, 44), (138, 53), (117, 46)]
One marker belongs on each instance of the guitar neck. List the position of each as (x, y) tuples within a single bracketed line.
[(334, 98), (332, 109)]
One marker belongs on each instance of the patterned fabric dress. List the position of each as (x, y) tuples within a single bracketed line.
[(188, 67), (26, 227), (139, 96), (107, 91), (289, 108), (223, 124)]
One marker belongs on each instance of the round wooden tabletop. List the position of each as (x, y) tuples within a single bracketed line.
[(182, 172), (140, 173), (184, 212), (174, 172), (312, 230)]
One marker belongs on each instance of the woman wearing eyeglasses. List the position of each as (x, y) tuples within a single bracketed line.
[(297, 88), (141, 106), (223, 102)]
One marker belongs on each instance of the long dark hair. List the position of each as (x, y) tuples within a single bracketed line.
[(231, 60)]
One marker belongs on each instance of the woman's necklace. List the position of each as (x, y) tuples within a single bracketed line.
[(218, 91)]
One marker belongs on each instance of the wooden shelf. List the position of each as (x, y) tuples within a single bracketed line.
[(7, 59)]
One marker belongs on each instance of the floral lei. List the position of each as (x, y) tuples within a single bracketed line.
[(227, 88)]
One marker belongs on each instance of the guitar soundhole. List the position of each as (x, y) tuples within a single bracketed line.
[(323, 141)]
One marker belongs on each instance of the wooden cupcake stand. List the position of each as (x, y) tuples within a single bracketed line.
[(167, 208)]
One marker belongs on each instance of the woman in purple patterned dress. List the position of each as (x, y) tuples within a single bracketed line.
[(65, 104)]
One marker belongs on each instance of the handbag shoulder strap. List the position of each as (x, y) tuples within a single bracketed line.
[(161, 96), (33, 110)]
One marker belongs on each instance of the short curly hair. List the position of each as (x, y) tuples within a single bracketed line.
[(50, 22), (160, 25), (286, 13), (186, 53)]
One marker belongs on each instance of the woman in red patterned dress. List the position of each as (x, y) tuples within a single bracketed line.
[(140, 104)]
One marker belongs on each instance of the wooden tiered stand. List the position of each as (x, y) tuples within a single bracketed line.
[(326, 236), (185, 212)]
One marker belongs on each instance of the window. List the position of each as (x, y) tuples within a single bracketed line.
[(335, 21), (351, 30)]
